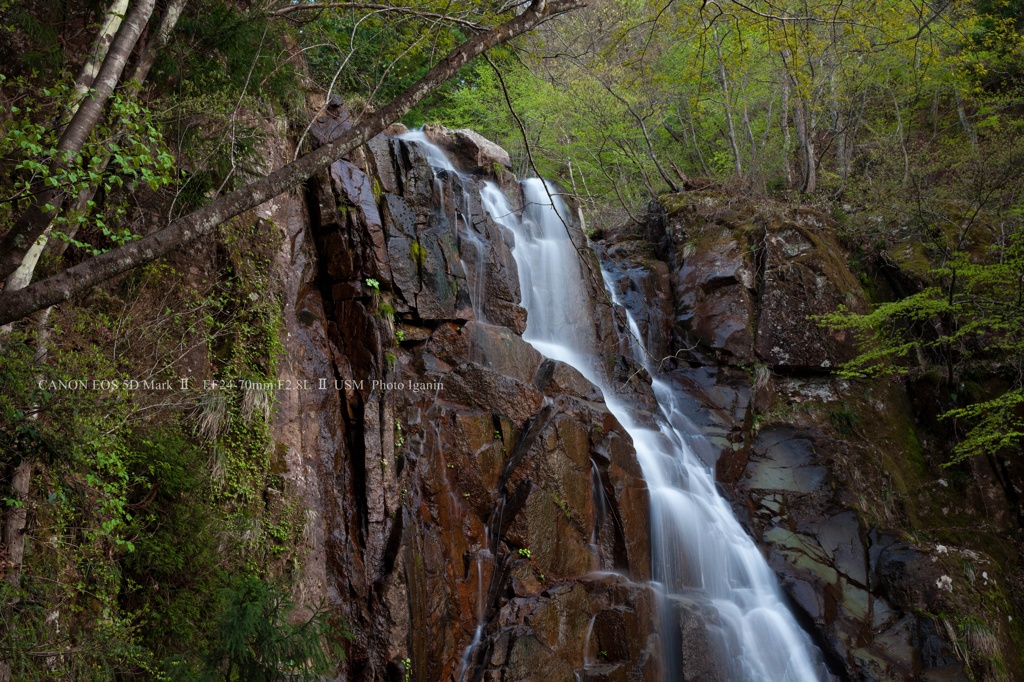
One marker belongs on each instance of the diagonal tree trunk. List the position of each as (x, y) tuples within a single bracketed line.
[(138, 77), (111, 23), (61, 287), (20, 278), (33, 221)]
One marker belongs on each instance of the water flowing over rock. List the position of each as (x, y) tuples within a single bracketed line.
[(477, 524), (827, 474), (719, 606), (493, 481)]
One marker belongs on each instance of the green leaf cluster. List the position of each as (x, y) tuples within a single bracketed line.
[(963, 238), (125, 154)]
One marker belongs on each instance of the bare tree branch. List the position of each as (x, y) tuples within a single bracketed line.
[(290, 9)]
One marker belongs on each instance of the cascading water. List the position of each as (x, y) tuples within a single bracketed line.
[(435, 155), (701, 553), (463, 217)]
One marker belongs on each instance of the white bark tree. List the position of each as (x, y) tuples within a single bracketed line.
[(61, 287)]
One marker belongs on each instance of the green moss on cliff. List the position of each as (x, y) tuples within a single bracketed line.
[(147, 498)]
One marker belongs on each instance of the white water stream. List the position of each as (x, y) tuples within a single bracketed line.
[(700, 551), (701, 554)]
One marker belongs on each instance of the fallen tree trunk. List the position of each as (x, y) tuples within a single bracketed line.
[(17, 304)]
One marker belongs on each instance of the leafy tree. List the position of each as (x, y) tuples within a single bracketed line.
[(963, 237), (33, 221)]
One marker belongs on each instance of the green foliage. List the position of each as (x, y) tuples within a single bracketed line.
[(254, 639), (223, 49), (123, 475), (417, 253), (399, 434), (996, 426), (137, 153), (578, 131), (383, 53), (965, 240), (37, 23), (563, 505)]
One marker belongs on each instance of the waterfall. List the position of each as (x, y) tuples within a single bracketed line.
[(701, 554), (435, 155), (471, 243), (702, 558)]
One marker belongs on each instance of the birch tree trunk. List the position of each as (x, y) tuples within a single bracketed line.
[(20, 278), (727, 106), (34, 220), (17, 304), (787, 142), (111, 23), (138, 77), (801, 116), (972, 134), (12, 534), (840, 125)]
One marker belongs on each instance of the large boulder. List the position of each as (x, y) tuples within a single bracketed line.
[(805, 277), (470, 151), (715, 290)]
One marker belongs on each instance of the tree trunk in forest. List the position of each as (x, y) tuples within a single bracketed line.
[(809, 178), (787, 162), (755, 168), (15, 522), (111, 23), (696, 146), (61, 287), (727, 105), (152, 49), (34, 220), (21, 277), (900, 136), (840, 126), (15, 519), (972, 134), (138, 77)]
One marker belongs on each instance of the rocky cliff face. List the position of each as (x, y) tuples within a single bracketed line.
[(475, 512), (903, 570)]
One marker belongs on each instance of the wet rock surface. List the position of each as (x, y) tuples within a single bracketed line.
[(900, 569), (475, 511), (471, 152), (489, 520)]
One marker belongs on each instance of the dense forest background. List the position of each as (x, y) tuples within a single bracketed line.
[(160, 536)]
